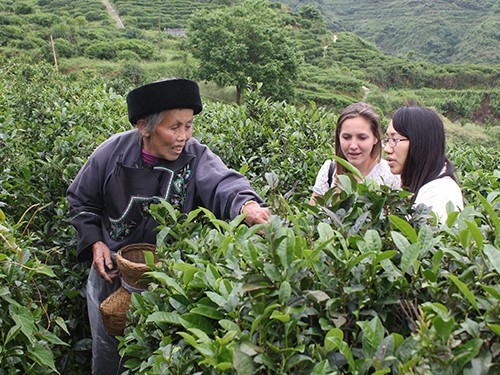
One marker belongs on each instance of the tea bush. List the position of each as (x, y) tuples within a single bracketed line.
[(49, 124), (31, 330), (350, 286), (360, 283)]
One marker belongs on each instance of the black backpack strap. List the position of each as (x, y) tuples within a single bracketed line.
[(331, 171)]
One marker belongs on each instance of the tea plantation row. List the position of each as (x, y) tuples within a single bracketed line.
[(361, 283)]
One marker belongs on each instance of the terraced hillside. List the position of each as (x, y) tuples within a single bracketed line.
[(155, 14), (337, 68), (441, 31)]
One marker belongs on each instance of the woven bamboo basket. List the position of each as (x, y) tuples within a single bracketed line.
[(131, 265), (114, 311)]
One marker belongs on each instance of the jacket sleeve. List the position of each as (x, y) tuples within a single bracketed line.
[(85, 200), (221, 190)]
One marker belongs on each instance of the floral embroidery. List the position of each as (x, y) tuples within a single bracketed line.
[(138, 208), (179, 185)]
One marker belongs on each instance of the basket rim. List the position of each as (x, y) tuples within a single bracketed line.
[(134, 246)]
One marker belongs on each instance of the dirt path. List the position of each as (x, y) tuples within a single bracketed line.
[(113, 14), (366, 93)]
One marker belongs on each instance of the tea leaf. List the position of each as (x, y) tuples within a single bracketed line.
[(495, 328), (493, 255), (492, 215), (278, 315), (476, 233), (46, 270), (465, 352), (427, 239), (444, 327), (404, 227), (166, 280), (373, 334), (285, 292), (43, 355), (465, 291), (271, 272), (207, 311), (317, 295), (332, 338), (373, 241), (348, 166), (217, 298), (165, 317), (321, 368), (383, 256), (24, 319)]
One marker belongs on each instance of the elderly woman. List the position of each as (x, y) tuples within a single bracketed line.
[(159, 159)]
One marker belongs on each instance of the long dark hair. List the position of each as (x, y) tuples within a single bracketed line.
[(366, 111), (426, 154)]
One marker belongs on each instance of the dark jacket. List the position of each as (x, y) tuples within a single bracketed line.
[(110, 196)]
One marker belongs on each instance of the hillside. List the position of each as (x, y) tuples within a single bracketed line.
[(440, 31), (336, 68)]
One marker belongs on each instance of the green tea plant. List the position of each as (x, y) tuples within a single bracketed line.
[(270, 137), (360, 282), (356, 284), (30, 329), (43, 144)]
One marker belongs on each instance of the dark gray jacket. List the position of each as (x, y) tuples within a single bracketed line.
[(111, 194)]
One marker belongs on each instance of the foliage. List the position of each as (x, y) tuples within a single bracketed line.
[(245, 40), (349, 286), (267, 136), (439, 31), (338, 68), (50, 123), (30, 328), (171, 14)]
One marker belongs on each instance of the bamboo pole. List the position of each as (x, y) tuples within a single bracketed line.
[(53, 51)]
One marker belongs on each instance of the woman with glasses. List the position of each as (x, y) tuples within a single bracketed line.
[(415, 148), (358, 139)]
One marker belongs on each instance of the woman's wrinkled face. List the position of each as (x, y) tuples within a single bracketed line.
[(396, 155), (170, 136), (357, 141)]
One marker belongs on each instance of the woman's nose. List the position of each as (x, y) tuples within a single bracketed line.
[(182, 133)]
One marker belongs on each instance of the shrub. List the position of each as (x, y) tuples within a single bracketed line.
[(31, 42), (9, 33), (65, 48), (142, 49), (349, 286), (95, 16), (101, 50), (43, 19), (360, 282), (127, 55), (30, 329)]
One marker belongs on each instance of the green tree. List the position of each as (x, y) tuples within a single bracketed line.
[(241, 41)]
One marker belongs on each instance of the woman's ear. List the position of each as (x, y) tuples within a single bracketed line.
[(141, 125)]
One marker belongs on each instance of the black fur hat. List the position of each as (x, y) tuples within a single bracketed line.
[(159, 96)]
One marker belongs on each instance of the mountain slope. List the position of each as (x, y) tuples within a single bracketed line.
[(440, 31)]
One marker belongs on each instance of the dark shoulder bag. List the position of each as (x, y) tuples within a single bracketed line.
[(331, 171)]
